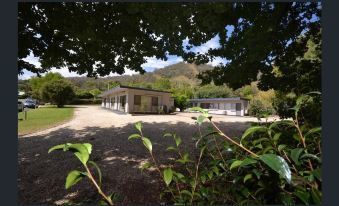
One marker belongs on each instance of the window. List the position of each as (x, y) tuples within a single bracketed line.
[(227, 106), (137, 100), (233, 107), (122, 102), (154, 101), (205, 105)]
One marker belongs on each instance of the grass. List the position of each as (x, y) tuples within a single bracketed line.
[(43, 118)]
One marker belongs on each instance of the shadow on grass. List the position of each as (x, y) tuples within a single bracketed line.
[(41, 176)]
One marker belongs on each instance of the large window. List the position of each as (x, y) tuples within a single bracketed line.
[(122, 102), (154, 101), (137, 100), (205, 105), (233, 107)]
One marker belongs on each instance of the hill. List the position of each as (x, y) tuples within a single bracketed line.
[(180, 72)]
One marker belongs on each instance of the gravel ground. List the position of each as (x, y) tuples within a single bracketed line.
[(41, 176)]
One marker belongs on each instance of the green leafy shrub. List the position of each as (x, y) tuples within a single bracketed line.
[(85, 101), (58, 92), (278, 163), (82, 152)]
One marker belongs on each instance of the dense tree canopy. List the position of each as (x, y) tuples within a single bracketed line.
[(100, 38)]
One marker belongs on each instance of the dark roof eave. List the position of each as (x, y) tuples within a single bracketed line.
[(129, 87)]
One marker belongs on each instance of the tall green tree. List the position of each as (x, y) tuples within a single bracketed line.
[(100, 38), (58, 92), (37, 83)]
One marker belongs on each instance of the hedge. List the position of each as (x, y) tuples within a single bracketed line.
[(85, 101)]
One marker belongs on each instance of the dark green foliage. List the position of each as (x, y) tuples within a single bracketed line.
[(212, 91), (37, 83), (258, 109), (181, 101), (57, 92), (77, 101), (82, 151), (274, 164), (83, 94)]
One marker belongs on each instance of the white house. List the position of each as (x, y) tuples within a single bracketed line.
[(228, 106), (137, 100)]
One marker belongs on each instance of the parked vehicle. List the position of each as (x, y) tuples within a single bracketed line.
[(30, 103), (20, 106)]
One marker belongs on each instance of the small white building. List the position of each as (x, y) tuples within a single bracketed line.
[(137, 100), (227, 106)]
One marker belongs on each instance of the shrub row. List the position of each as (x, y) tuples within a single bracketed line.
[(85, 101)]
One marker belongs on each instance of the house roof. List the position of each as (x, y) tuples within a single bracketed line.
[(120, 87), (218, 99)]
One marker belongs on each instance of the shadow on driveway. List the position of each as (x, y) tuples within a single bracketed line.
[(41, 176)]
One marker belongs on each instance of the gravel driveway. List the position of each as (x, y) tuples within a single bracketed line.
[(41, 176)]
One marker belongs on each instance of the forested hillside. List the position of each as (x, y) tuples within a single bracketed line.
[(180, 79)]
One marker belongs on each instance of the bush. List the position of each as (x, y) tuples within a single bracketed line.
[(58, 92), (279, 163), (258, 109), (85, 101), (83, 94)]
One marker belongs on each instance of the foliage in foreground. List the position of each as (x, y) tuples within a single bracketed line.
[(58, 92), (82, 152), (279, 163)]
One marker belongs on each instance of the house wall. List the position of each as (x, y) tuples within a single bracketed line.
[(113, 100), (219, 107), (164, 99)]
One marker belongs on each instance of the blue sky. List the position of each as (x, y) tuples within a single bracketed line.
[(151, 64)]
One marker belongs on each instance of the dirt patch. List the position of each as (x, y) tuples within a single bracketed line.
[(41, 176)]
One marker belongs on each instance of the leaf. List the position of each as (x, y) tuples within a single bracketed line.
[(168, 175), (304, 196), (278, 164), (199, 109), (98, 170), (200, 119), (317, 174), (277, 136), (167, 135), (287, 200), (57, 147), (138, 125), (247, 177), (186, 192), (145, 166), (312, 156), (235, 164), (215, 170), (281, 147), (88, 147), (73, 177), (248, 161), (80, 151), (177, 140), (312, 131), (134, 136), (147, 143), (252, 130), (295, 154), (316, 196), (178, 174), (171, 148), (282, 122)]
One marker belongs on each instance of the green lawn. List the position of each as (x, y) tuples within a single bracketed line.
[(43, 118)]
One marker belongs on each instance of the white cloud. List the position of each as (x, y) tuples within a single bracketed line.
[(153, 62), (210, 44), (217, 60)]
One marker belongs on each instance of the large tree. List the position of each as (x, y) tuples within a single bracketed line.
[(99, 38)]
